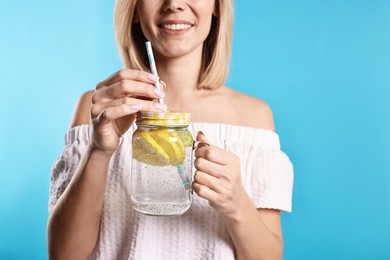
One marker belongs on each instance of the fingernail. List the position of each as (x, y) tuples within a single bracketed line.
[(159, 92), (201, 133), (198, 144), (136, 107), (163, 85), (152, 77), (160, 106)]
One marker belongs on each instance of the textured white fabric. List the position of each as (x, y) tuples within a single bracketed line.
[(267, 175)]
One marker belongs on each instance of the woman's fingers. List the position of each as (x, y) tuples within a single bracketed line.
[(209, 152), (204, 165), (127, 102), (208, 180), (127, 88), (204, 192), (127, 74), (128, 83), (216, 176), (214, 154), (116, 101), (111, 113)]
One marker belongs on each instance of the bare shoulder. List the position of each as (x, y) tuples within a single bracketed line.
[(81, 113), (252, 111)]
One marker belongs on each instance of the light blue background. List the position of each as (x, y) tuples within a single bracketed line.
[(323, 66)]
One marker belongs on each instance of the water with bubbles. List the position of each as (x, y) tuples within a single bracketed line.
[(162, 190)]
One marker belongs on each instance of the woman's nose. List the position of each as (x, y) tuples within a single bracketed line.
[(174, 6)]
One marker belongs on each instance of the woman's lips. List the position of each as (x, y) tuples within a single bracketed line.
[(175, 27)]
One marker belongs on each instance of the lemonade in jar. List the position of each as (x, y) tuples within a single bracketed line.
[(161, 172)]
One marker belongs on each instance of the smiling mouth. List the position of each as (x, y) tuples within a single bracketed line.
[(176, 27)]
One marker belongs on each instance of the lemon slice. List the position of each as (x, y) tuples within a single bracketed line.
[(171, 143), (180, 152), (148, 151), (186, 137), (159, 147)]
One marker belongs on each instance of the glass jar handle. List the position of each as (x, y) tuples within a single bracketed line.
[(198, 144), (182, 169)]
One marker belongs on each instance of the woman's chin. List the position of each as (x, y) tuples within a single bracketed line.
[(178, 50)]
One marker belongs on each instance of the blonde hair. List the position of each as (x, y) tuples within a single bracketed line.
[(216, 48)]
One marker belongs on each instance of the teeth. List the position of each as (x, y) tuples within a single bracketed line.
[(175, 27)]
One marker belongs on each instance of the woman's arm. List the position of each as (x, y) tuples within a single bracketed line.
[(256, 233), (74, 222), (73, 225)]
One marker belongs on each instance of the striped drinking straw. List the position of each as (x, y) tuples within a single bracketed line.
[(180, 168), (153, 67)]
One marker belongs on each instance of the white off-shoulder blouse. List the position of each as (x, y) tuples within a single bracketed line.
[(267, 176)]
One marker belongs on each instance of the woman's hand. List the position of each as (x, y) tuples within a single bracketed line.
[(218, 179), (116, 102)]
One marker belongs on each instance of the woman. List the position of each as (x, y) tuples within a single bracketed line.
[(242, 181)]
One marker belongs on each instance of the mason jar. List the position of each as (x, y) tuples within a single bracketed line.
[(161, 173)]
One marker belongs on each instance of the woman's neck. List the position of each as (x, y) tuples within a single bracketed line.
[(181, 74)]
